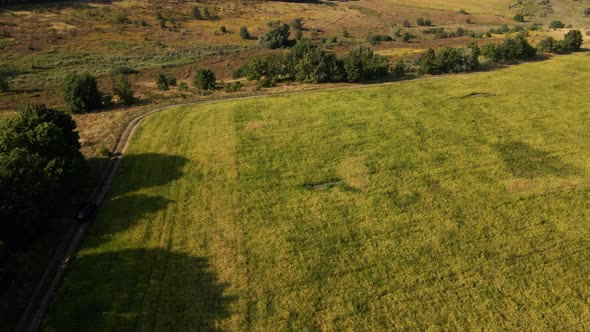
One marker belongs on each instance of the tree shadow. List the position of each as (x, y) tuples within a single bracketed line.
[(139, 289), (145, 170), (524, 161)]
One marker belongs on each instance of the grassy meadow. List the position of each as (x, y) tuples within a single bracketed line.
[(456, 202)]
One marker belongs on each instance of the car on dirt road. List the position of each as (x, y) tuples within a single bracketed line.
[(86, 212)]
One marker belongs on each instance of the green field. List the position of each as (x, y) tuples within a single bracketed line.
[(457, 202)]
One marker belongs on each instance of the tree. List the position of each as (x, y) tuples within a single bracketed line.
[(309, 63), (244, 33), (122, 88), (427, 62), (162, 82), (40, 161), (81, 94), (4, 87), (556, 24), (363, 64), (518, 17), (204, 79), (276, 37), (572, 41), (546, 45)]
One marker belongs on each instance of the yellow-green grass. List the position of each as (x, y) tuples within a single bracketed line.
[(456, 202)]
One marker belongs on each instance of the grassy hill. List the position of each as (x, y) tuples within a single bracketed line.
[(456, 202)]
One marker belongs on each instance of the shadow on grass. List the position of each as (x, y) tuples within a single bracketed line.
[(140, 289), (524, 161), (145, 170)]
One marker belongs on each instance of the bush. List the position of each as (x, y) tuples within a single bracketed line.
[(420, 21), (407, 37), (162, 82), (232, 87), (104, 151), (244, 34), (510, 49), (309, 63), (182, 86), (546, 45), (204, 79), (223, 29), (518, 17), (587, 11), (4, 87), (122, 88), (556, 25), (276, 37), (80, 93), (196, 13), (124, 70), (297, 24), (363, 64), (377, 39), (406, 24), (573, 41)]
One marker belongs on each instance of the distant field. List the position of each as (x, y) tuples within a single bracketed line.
[(456, 202), (496, 7)]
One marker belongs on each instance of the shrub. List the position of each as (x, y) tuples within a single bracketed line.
[(162, 82), (572, 41), (196, 13), (122, 88), (546, 45), (80, 93), (276, 37), (420, 21), (4, 87), (124, 70), (377, 39), (206, 13), (309, 63), (587, 11), (232, 87), (363, 64), (223, 29), (204, 79), (244, 34), (297, 24), (182, 86), (510, 49), (556, 25), (449, 60), (298, 35), (407, 37), (406, 23), (345, 34), (463, 11), (518, 17), (104, 151)]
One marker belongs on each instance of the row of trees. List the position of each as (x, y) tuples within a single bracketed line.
[(81, 93), (309, 62)]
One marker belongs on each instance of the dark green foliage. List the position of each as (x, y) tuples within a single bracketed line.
[(587, 11), (407, 37), (269, 68), (244, 33), (39, 161), (232, 87), (196, 13), (124, 70), (423, 22), (556, 25), (4, 86), (518, 17), (449, 60), (547, 45), (276, 37), (204, 79), (80, 93), (162, 82), (298, 35), (362, 64), (297, 24), (122, 88), (377, 39), (345, 34), (309, 63), (206, 13), (223, 29), (511, 49), (572, 41)]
